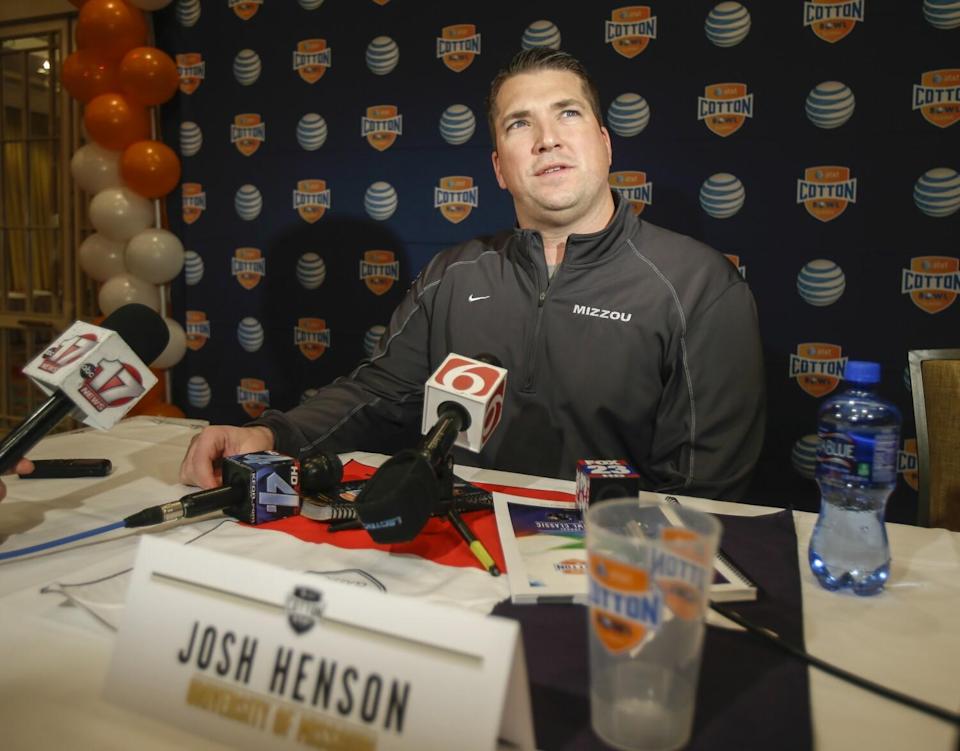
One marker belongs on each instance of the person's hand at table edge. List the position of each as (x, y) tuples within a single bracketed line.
[(24, 467), (201, 465)]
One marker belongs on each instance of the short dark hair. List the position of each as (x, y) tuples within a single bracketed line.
[(540, 58)]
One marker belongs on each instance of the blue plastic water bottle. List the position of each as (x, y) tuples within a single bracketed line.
[(856, 470)]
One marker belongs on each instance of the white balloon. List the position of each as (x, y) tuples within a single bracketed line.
[(124, 288), (96, 168), (119, 213), (150, 4), (155, 255), (101, 257), (176, 347)]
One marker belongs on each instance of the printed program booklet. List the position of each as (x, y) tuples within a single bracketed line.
[(545, 551)]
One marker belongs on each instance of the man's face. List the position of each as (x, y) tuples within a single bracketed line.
[(551, 153)]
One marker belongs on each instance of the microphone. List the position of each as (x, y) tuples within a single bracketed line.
[(464, 400), (99, 369), (257, 488)]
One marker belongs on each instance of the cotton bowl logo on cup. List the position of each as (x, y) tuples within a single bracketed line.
[(624, 608)]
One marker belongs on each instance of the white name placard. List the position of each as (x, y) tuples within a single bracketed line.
[(261, 657)]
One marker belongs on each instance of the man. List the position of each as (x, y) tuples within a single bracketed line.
[(622, 340)]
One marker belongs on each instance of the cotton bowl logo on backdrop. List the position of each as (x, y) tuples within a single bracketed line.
[(380, 201), (633, 188), (191, 138), (311, 270), (826, 191), (253, 396), (937, 96), (249, 266), (248, 202), (191, 69), (818, 367), (937, 192), (541, 33), (311, 199), (933, 282), (193, 201), (245, 9), (727, 24), (247, 133), (311, 131), (722, 195), (942, 14), (312, 337), (725, 107), (311, 59), (198, 329), (830, 104), (830, 20), (803, 457), (198, 392), (821, 282), (381, 126), (630, 29), (628, 115), (456, 197), (250, 334), (379, 269), (457, 45), (907, 463), (247, 67), (383, 54), (457, 124)]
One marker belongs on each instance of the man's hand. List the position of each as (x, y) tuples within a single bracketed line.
[(24, 467), (201, 465)]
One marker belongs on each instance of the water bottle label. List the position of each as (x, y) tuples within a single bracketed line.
[(858, 457)]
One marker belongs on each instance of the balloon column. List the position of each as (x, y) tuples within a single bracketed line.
[(117, 77)]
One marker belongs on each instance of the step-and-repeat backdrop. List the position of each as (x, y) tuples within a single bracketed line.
[(331, 148)]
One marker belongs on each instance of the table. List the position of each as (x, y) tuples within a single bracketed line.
[(54, 657)]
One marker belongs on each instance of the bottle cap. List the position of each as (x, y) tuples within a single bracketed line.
[(862, 371)]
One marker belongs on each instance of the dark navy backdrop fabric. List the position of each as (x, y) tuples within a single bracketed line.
[(267, 334)]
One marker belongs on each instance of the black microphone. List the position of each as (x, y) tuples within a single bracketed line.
[(140, 328)]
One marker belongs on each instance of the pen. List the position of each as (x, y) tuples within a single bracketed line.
[(476, 547)]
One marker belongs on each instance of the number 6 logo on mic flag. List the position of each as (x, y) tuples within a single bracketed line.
[(467, 376)]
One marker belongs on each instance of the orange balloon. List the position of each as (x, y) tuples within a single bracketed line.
[(148, 76), (86, 74), (150, 168), (111, 27), (115, 123), (160, 409)]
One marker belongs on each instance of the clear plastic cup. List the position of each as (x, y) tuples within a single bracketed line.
[(650, 567)]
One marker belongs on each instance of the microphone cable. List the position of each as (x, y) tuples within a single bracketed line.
[(61, 541), (845, 675)]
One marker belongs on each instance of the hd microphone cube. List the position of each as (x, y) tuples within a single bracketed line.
[(476, 386), (272, 483), (602, 479)]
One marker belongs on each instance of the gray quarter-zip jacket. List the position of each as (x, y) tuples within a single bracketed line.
[(644, 346)]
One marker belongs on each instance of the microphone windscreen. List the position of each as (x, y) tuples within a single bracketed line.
[(395, 504), (143, 330), (320, 472)]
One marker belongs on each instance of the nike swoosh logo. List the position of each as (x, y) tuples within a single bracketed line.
[(474, 299)]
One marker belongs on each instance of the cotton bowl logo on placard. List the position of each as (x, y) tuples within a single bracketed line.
[(832, 20), (110, 383), (725, 107), (311, 59), (250, 334), (380, 201), (803, 457), (625, 610), (198, 392), (942, 14), (312, 337), (826, 191), (191, 138), (633, 188), (630, 29), (248, 202), (937, 192), (311, 199), (245, 9), (372, 338), (379, 269), (246, 67), (937, 96), (253, 396), (188, 12), (821, 282), (304, 608), (191, 68), (247, 133), (381, 126), (457, 45), (907, 463), (830, 104), (818, 367), (249, 266), (192, 267), (383, 54), (541, 33), (197, 329), (311, 270), (193, 201), (311, 131), (456, 196), (727, 24), (933, 282), (67, 352), (722, 195), (735, 260), (457, 124), (628, 115)]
